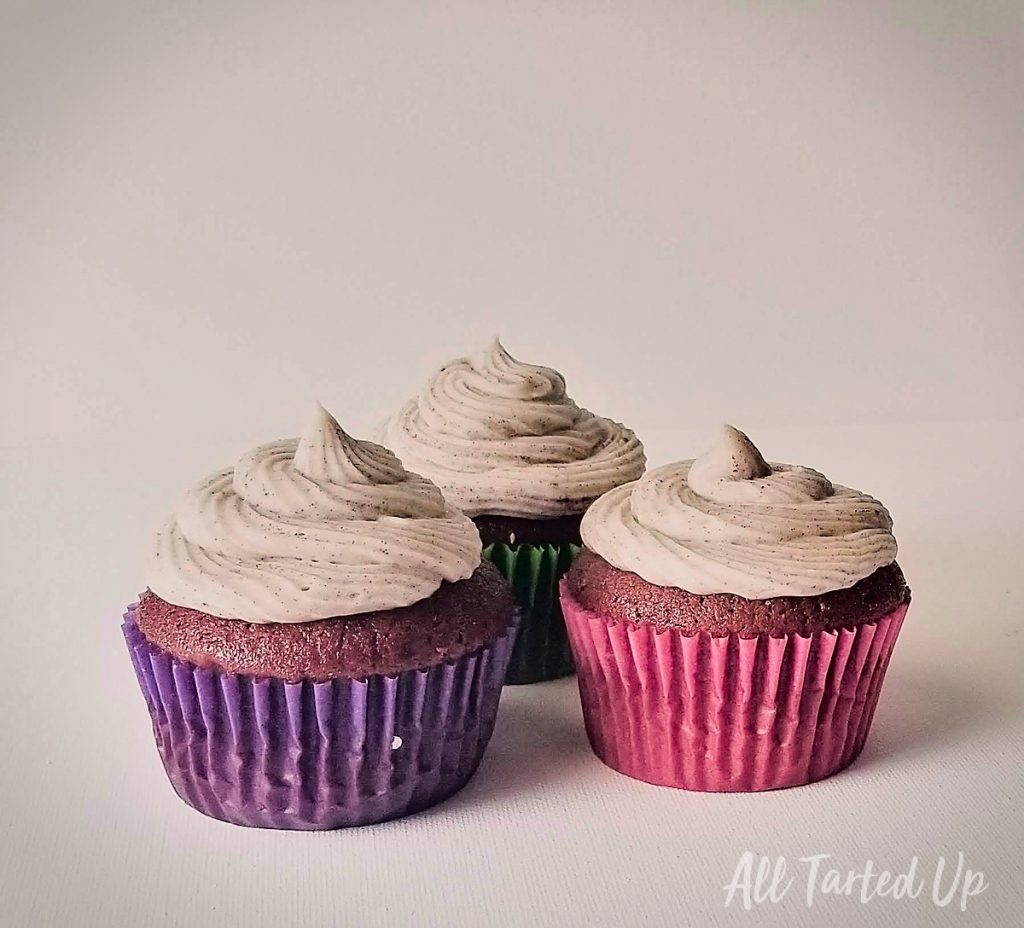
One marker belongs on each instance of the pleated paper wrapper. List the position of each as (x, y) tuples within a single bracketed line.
[(727, 714), (541, 650), (317, 755)]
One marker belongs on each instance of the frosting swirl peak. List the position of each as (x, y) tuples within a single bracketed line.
[(502, 437), (729, 522), (307, 529)]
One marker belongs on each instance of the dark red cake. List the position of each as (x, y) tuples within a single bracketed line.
[(625, 596), (456, 620), (514, 530)]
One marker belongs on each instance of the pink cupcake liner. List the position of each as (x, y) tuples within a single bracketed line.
[(727, 714), (315, 755)]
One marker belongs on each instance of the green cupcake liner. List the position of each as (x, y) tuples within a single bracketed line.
[(541, 651)]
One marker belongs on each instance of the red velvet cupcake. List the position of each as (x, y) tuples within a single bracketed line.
[(732, 622), (512, 450), (320, 644)]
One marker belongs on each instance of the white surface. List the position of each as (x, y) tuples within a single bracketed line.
[(544, 835), (807, 220)]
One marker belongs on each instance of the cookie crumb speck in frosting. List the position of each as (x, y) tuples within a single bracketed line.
[(730, 522), (502, 437), (310, 528)]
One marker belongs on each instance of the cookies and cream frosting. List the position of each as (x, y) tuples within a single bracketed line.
[(729, 522), (307, 529), (502, 437)]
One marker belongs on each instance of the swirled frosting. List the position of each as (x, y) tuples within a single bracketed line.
[(502, 437), (308, 529), (729, 522)]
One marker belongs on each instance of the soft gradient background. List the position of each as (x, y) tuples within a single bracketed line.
[(778, 212), (805, 218)]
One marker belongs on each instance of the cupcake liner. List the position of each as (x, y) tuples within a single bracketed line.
[(727, 714), (541, 650), (270, 754)]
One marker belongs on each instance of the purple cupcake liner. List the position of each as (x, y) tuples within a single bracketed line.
[(267, 753)]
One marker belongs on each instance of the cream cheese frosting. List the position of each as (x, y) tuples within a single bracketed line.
[(310, 528), (729, 522), (502, 437)]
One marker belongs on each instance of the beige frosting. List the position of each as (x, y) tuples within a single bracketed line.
[(307, 529), (501, 437), (729, 522)]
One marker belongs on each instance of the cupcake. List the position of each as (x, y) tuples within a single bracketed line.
[(732, 621), (320, 644), (509, 448)]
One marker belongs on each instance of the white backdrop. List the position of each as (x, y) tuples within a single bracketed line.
[(804, 218), (698, 210)]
